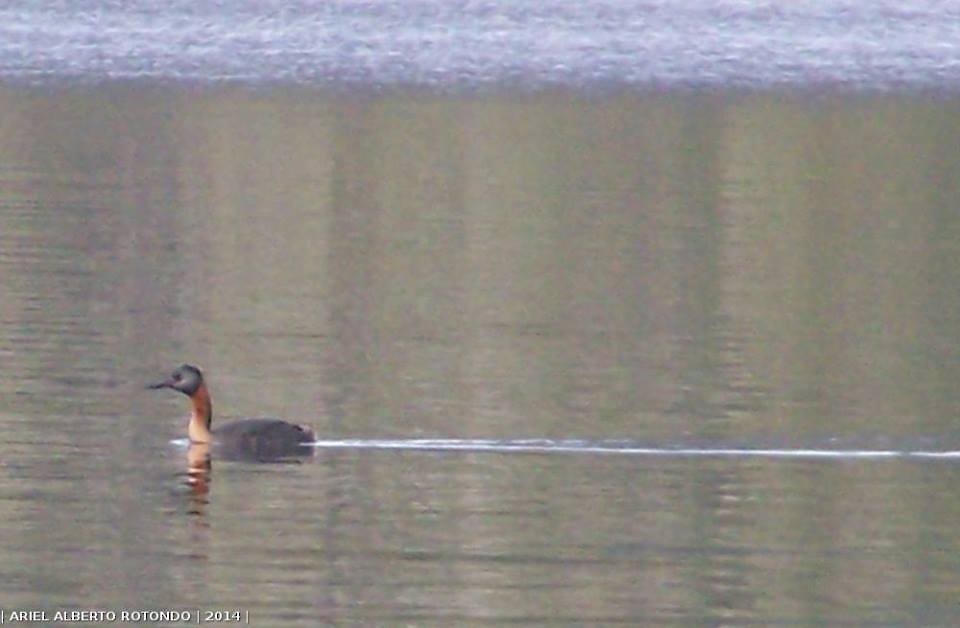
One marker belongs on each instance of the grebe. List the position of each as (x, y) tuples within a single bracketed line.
[(261, 439)]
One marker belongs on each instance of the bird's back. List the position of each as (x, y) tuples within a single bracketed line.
[(263, 439)]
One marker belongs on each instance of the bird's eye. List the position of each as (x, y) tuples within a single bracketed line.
[(177, 377)]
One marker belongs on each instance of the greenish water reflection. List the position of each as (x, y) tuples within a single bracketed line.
[(700, 269)]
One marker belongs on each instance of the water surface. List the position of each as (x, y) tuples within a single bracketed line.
[(688, 271), (467, 45)]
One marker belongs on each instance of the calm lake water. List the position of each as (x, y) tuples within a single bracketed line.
[(701, 271), (590, 334)]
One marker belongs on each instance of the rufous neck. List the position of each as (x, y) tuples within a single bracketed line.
[(201, 417)]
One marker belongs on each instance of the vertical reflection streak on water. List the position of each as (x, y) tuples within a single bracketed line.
[(354, 240), (714, 337), (702, 320), (355, 215)]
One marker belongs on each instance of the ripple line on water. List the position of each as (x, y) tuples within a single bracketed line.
[(624, 448)]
